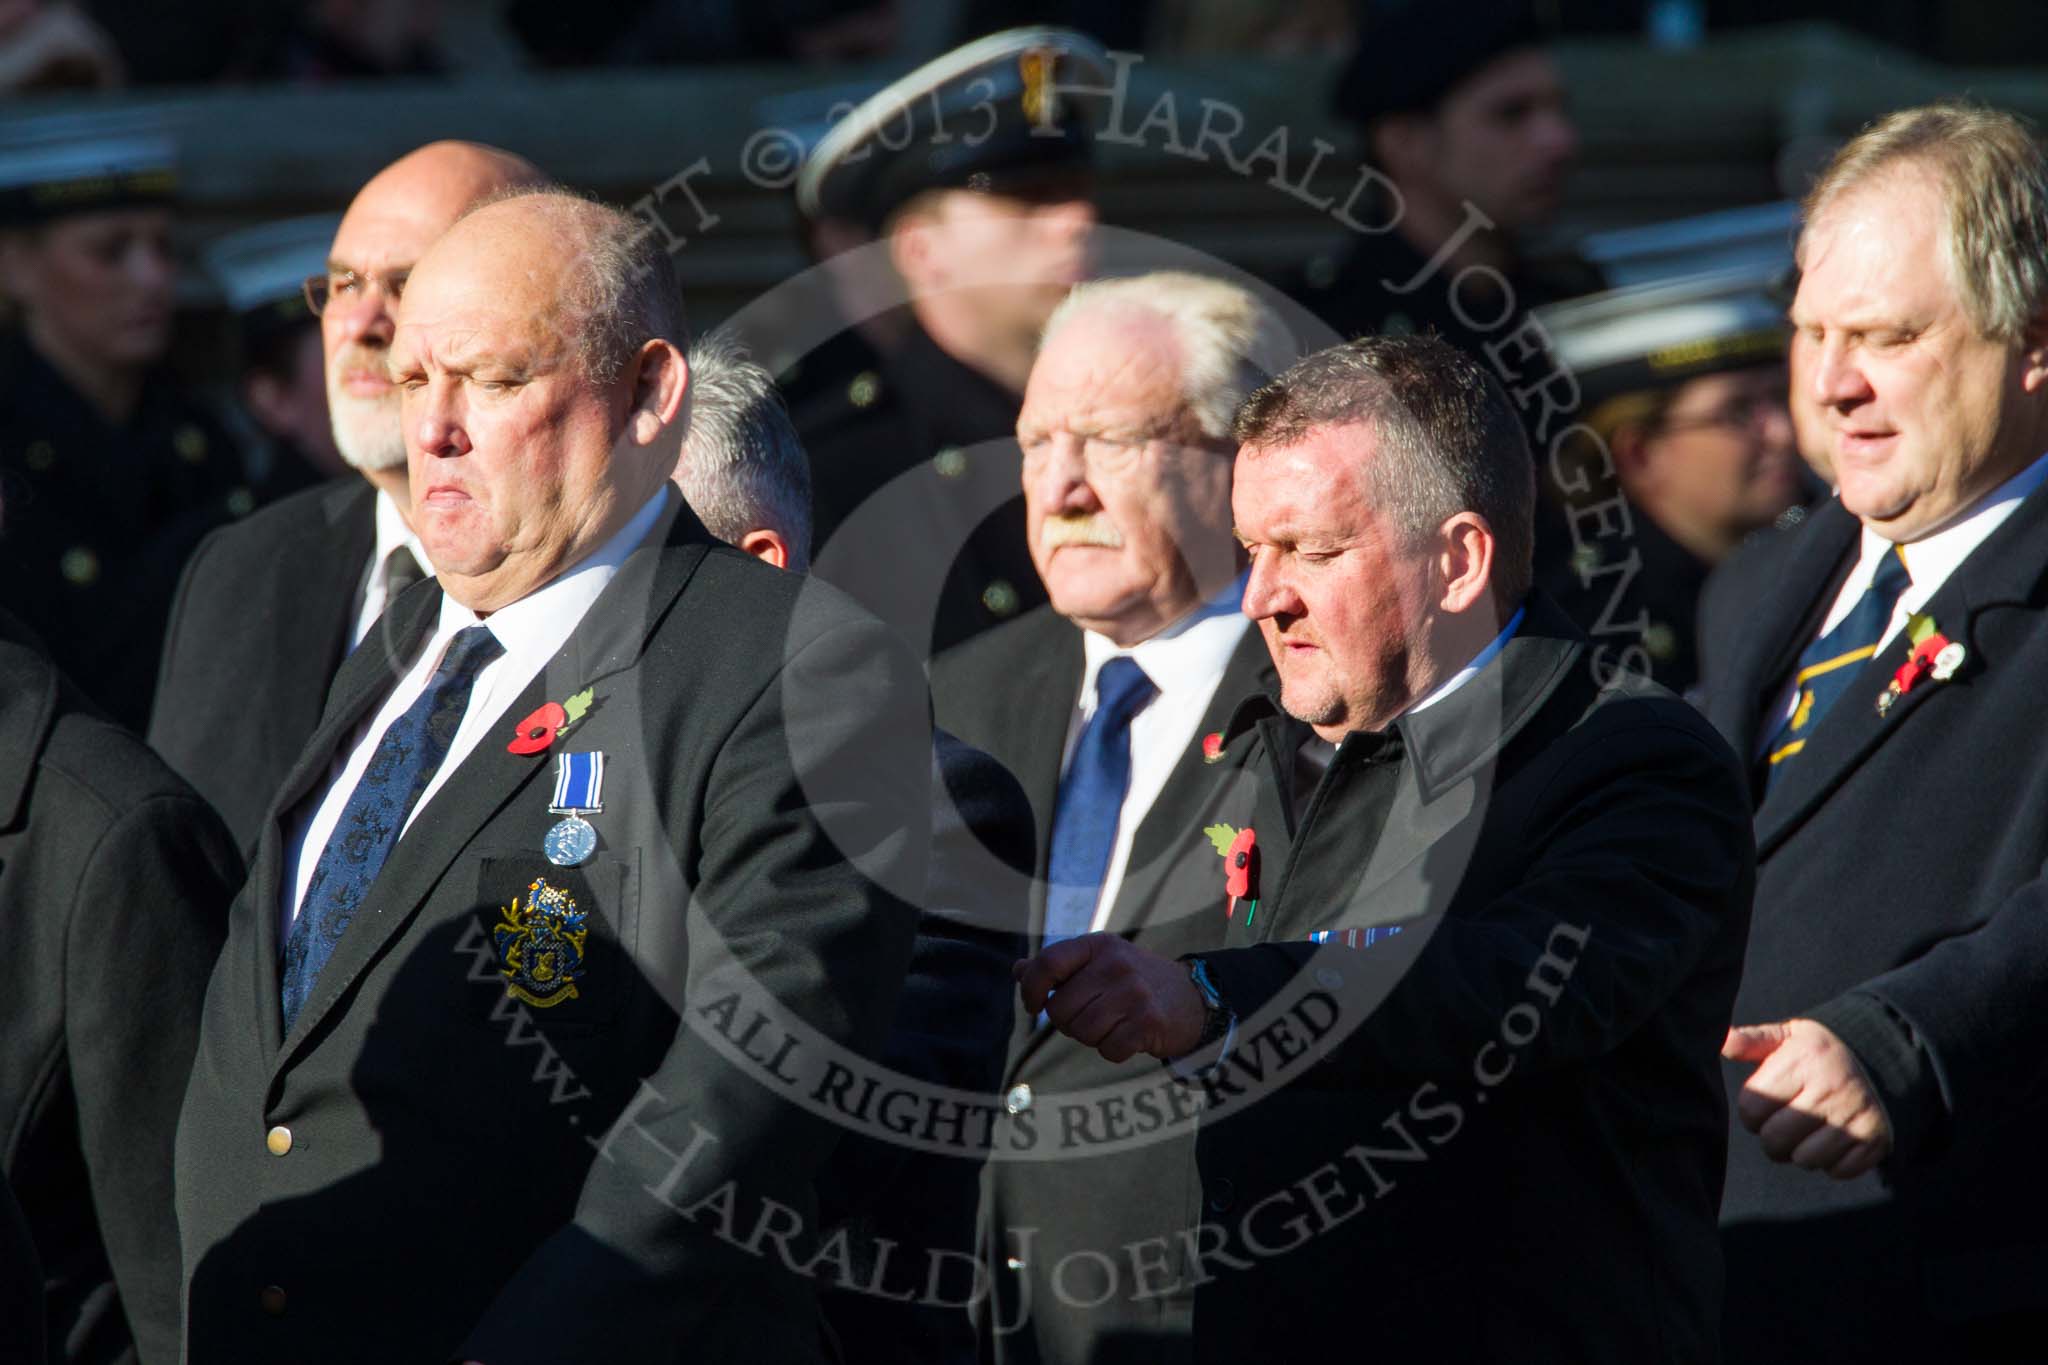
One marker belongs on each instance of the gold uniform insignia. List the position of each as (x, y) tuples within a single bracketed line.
[(1039, 101), (541, 944)]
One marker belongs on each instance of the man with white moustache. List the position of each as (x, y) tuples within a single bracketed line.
[(1100, 704), (268, 608)]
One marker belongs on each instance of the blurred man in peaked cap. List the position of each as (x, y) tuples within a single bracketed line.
[(973, 172), (110, 472), (1686, 422), (262, 273)]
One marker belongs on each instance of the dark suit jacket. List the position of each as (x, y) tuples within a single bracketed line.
[(1012, 692), (454, 1184), (259, 626), (1901, 901), (1738, 585), (952, 1022), (114, 888), (21, 1287), (1497, 1134)]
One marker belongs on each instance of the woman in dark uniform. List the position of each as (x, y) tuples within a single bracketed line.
[(110, 473)]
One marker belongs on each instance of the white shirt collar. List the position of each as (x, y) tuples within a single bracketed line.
[(1932, 558), (1190, 653), (1471, 670), (392, 532)]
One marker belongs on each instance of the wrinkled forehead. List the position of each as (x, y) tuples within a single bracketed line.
[(1898, 212), (1318, 473), (1108, 364), (460, 320), (383, 235)]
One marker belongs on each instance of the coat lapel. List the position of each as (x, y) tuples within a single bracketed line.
[(322, 575), (1047, 693), (2006, 568), (1171, 829), (1453, 752), (366, 676), (1784, 622), (607, 642)]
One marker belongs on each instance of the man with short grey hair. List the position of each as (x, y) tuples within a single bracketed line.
[(743, 468), (1100, 704), (1886, 1201), (1452, 994)]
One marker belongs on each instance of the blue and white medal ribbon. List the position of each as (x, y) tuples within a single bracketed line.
[(579, 791)]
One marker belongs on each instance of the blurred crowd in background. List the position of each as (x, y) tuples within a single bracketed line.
[(163, 377), (51, 44)]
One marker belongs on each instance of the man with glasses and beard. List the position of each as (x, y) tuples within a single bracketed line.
[(268, 609)]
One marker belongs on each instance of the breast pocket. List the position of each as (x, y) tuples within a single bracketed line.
[(560, 940)]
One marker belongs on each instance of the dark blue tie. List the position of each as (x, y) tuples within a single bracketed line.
[(405, 761), (1832, 662), (1091, 797)]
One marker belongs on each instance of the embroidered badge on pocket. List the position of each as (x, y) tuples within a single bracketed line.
[(541, 943)]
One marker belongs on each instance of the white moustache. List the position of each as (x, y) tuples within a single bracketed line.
[(1087, 528)]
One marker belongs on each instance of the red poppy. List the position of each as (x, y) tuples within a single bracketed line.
[(1212, 746), (537, 731), (1919, 663), (1239, 863)]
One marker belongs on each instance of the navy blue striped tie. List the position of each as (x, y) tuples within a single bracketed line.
[(406, 759), (1090, 800), (1832, 662)]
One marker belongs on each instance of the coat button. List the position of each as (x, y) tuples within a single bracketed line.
[(278, 1140), (80, 566), (951, 462), (1000, 598), (272, 1299), (1222, 1194), (190, 443), (1019, 1099)]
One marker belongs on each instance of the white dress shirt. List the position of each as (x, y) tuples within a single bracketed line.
[(1185, 662), (373, 594), (1930, 560), (532, 630)]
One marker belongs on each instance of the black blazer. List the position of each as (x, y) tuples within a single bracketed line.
[(905, 1204), (21, 1287), (114, 888), (1900, 902), (453, 1184), (1497, 1134), (258, 628), (1012, 692)]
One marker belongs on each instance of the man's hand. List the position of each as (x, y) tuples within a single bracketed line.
[(1809, 1102), (1120, 1000)]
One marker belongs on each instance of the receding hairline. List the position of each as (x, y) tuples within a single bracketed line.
[(440, 181), (488, 169), (1908, 170)]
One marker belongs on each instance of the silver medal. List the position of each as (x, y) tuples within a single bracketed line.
[(571, 842)]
